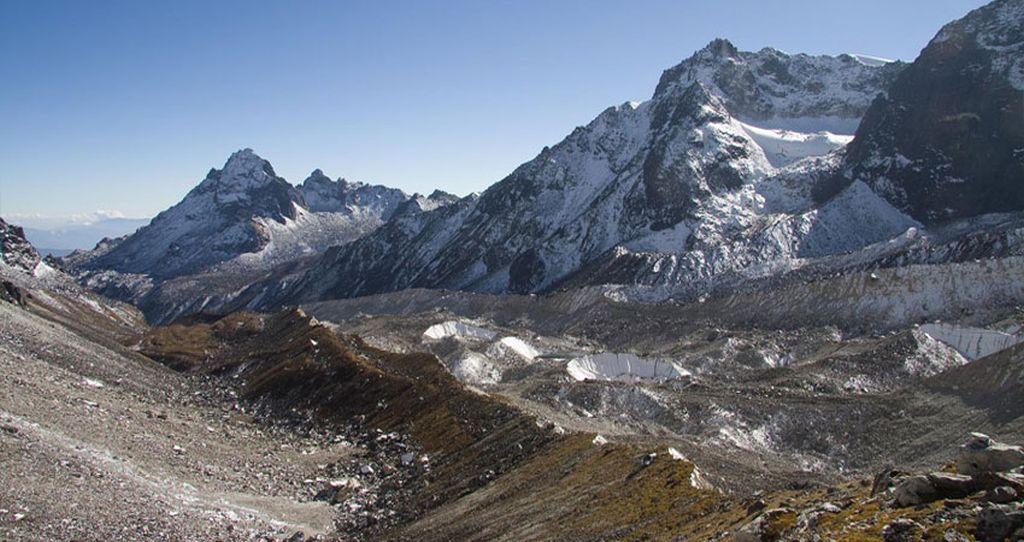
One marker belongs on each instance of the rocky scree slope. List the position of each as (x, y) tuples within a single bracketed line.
[(702, 173), (101, 443)]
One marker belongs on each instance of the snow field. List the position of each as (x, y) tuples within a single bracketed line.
[(459, 330), (971, 342), (622, 367)]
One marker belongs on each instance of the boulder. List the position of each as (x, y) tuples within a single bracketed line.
[(902, 530), (1001, 495), (913, 490), (992, 480), (767, 527), (11, 293), (997, 522), (982, 454), (924, 488)]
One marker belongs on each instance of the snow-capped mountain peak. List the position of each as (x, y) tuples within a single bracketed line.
[(212, 224), (695, 168), (318, 177), (321, 194), (800, 92), (244, 172), (239, 222)]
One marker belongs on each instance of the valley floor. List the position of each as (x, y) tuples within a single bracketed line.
[(285, 427)]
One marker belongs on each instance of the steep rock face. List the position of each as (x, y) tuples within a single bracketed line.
[(948, 140), (15, 250), (812, 92), (369, 264), (321, 194), (213, 223), (676, 173)]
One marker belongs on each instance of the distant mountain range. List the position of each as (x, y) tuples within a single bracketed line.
[(240, 223), (62, 239), (742, 166)]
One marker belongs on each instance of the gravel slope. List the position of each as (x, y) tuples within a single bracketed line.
[(118, 447)]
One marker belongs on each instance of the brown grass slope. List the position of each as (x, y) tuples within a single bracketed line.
[(293, 367)]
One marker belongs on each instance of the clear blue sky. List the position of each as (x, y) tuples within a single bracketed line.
[(126, 104)]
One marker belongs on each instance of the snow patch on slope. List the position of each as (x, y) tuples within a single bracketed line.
[(473, 368), (458, 330), (971, 342), (622, 367), (730, 429), (783, 147), (515, 346), (932, 356), (856, 218), (869, 60), (307, 234)]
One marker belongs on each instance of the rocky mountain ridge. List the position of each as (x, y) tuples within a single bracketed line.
[(712, 179), (743, 168), (240, 209), (686, 173), (240, 223), (15, 250)]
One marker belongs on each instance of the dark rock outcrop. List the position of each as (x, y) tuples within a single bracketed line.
[(947, 141), (15, 250)]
